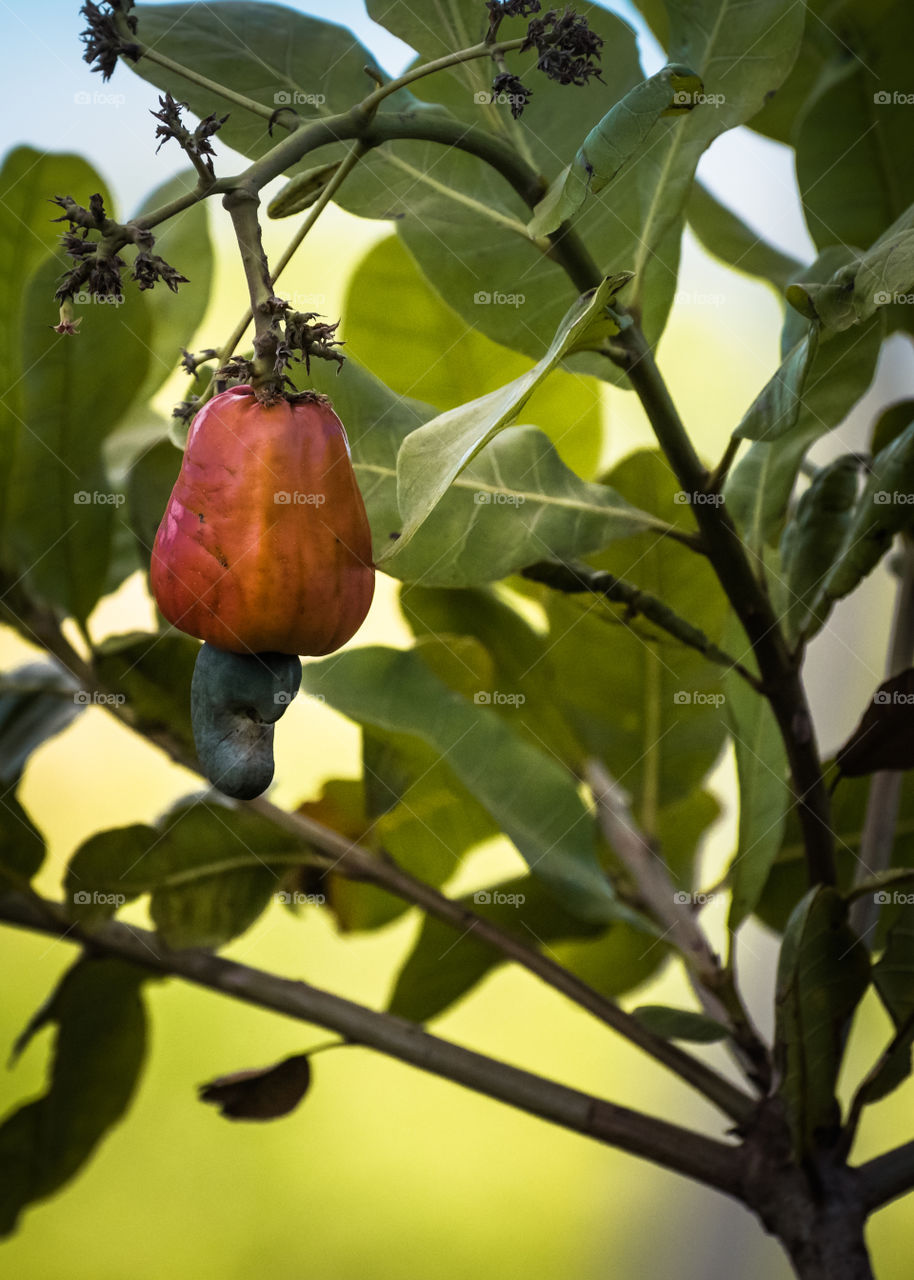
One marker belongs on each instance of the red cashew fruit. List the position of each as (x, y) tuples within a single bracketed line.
[(265, 545)]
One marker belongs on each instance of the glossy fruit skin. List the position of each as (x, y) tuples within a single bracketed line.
[(265, 545), (235, 699)]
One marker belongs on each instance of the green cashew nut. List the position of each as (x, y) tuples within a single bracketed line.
[(235, 699)]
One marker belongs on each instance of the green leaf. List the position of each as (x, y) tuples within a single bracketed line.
[(184, 242), (893, 977), (98, 1054), (724, 235), (649, 200), (457, 24), (37, 701), (441, 195), (74, 391), (636, 223), (812, 540), (788, 878), (823, 972), (523, 680), (534, 801), (854, 166), (28, 180), (399, 328), (764, 793), (856, 291), (680, 1024), (776, 409), (22, 846), (513, 504), (619, 138), (785, 425), (882, 510), (434, 455), (651, 709), (445, 965), (152, 674), (268, 52), (211, 870)]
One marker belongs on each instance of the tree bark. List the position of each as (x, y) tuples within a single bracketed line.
[(817, 1210)]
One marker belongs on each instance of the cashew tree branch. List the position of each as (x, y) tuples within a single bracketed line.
[(707, 1160)]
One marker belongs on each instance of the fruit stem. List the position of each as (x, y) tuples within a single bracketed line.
[(266, 379)]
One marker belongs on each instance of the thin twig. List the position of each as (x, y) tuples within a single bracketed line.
[(577, 578)]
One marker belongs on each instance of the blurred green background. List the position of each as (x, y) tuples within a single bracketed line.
[(384, 1171)]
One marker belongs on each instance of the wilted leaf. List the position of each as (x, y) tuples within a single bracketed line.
[(262, 1094)]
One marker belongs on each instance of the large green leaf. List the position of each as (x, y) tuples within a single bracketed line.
[(823, 972), (854, 165), (523, 679), (727, 237), (99, 1047), (637, 222), (617, 140), (268, 52), (400, 329), (74, 391), (444, 965), (183, 241), (764, 793), (651, 709), (435, 454), (211, 870), (534, 801), (515, 503), (28, 180)]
